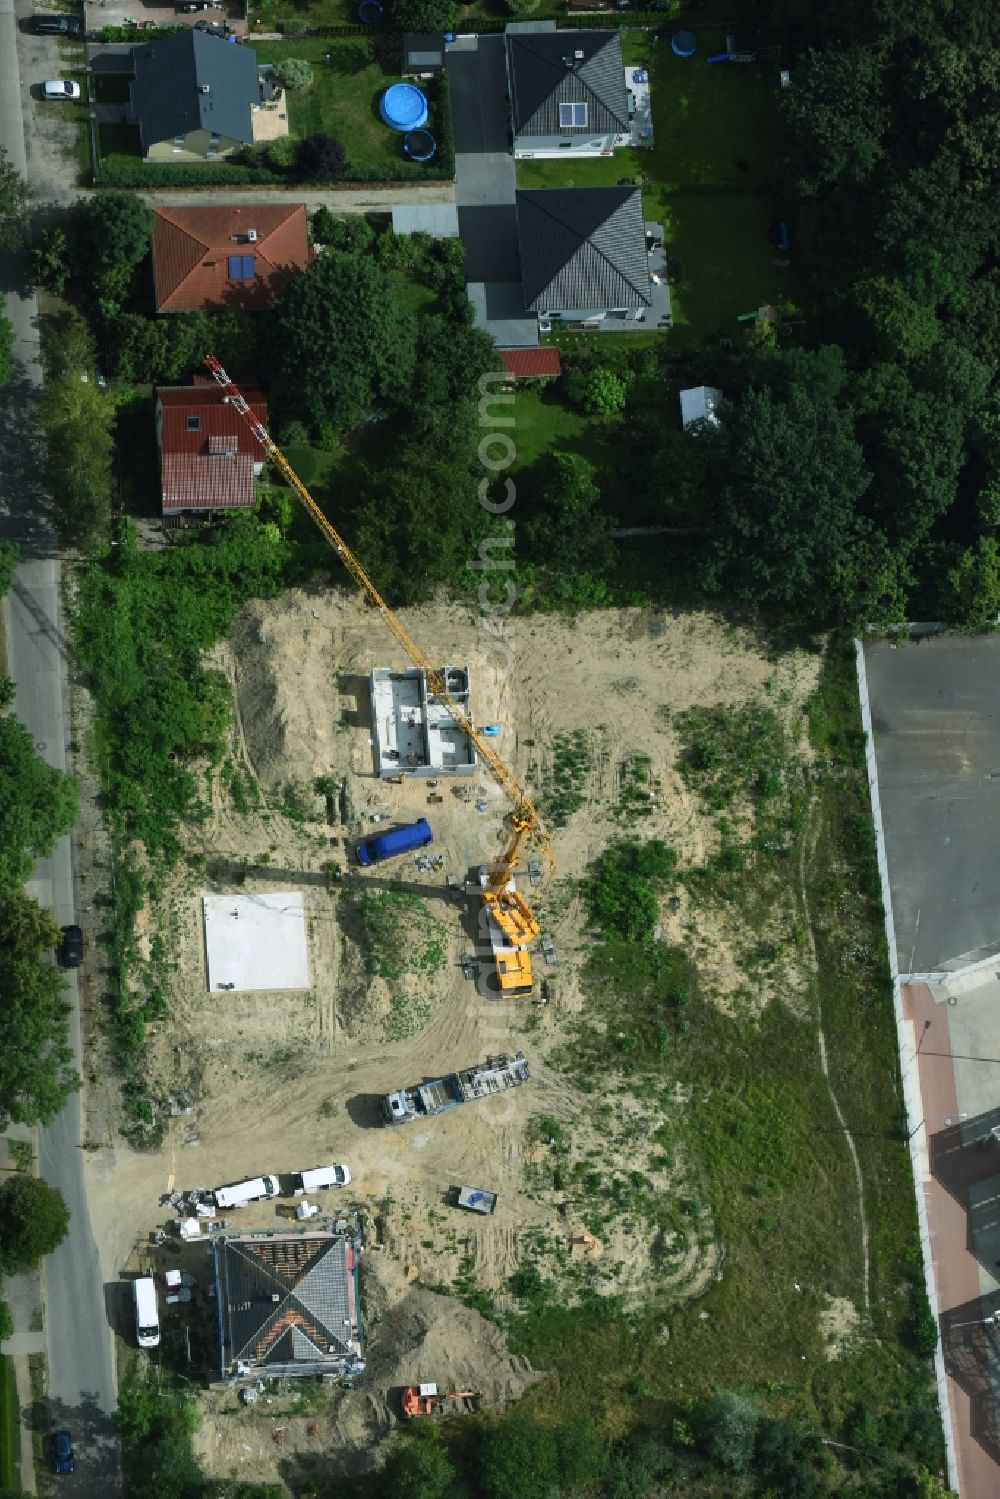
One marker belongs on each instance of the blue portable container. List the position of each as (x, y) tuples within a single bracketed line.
[(396, 841)]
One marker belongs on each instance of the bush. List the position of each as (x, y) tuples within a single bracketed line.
[(294, 72), (283, 154), (321, 157), (728, 1431)]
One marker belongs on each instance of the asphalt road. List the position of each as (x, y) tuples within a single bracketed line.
[(81, 1373)]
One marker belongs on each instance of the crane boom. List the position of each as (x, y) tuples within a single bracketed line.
[(525, 821)]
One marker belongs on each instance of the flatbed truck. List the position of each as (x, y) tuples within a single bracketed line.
[(495, 1075)]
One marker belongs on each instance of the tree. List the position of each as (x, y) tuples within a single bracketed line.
[(418, 1469), (294, 72), (78, 418), (895, 325), (973, 585), (423, 15), (728, 1426), (51, 259), (835, 118), (452, 355), (283, 153), (9, 556), (6, 344), (37, 804), (582, 1453), (34, 1220), (604, 393), (789, 479), (114, 231), (13, 203), (322, 157), (568, 530), (71, 346), (341, 340), (518, 1460), (36, 1060)]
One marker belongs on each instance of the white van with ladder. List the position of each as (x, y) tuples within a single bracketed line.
[(241, 1194), (147, 1315)]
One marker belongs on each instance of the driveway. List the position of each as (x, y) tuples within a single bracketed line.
[(50, 133), (485, 184)]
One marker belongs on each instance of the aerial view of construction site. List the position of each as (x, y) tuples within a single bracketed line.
[(498, 932)]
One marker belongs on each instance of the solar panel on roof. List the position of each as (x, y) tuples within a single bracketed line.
[(242, 267)]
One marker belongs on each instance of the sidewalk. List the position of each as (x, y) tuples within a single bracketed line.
[(23, 1294)]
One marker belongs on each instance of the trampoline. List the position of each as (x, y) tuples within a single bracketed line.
[(683, 43), (419, 145), (369, 12), (403, 107)]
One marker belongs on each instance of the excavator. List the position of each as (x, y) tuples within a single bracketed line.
[(424, 1400), (510, 923)]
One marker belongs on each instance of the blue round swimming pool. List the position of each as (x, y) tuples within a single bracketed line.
[(403, 107)]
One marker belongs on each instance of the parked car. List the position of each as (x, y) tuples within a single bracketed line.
[(56, 26), (71, 947), (188, 7), (61, 88), (63, 1460)]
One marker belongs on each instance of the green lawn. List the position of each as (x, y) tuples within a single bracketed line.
[(343, 100), (10, 1429)]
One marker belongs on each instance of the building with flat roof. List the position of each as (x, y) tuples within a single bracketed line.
[(414, 732), (288, 1304)]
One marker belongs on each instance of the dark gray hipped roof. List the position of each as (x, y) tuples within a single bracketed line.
[(544, 73), (170, 75), (583, 247), (285, 1301)]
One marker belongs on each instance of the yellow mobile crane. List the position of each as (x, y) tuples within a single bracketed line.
[(510, 922)]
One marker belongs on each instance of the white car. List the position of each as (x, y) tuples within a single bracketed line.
[(61, 88)]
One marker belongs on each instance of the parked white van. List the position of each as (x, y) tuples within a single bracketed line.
[(319, 1178), (147, 1315), (241, 1194)]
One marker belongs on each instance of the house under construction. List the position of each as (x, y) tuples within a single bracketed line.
[(414, 731)]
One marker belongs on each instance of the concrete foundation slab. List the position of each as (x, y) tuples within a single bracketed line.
[(255, 941)]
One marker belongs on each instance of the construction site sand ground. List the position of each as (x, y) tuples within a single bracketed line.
[(284, 1081)]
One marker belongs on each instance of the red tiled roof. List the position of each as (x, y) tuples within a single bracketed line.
[(192, 248), (523, 364), (208, 466)]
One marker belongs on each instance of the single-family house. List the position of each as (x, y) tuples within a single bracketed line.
[(288, 1304), (193, 97), (209, 458), (209, 258), (567, 89), (698, 404), (584, 256)]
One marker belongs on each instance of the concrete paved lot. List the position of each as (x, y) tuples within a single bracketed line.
[(935, 707)]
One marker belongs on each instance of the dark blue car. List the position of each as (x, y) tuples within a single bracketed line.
[(62, 1453)]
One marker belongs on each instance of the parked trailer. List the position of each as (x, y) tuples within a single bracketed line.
[(397, 841), (477, 1200), (494, 1075)]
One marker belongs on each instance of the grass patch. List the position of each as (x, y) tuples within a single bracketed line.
[(343, 100), (10, 1427), (402, 943), (749, 1131)]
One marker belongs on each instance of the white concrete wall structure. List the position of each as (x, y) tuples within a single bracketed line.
[(414, 733)]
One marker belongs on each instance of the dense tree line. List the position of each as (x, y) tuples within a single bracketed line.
[(863, 479), (37, 806)]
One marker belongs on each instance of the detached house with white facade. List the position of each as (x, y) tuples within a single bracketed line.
[(568, 91)]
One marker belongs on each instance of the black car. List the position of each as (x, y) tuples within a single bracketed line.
[(71, 947), (56, 26)]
